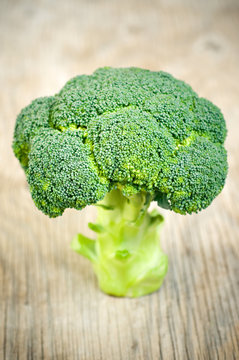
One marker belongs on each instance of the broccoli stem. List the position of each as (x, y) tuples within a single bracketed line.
[(126, 255)]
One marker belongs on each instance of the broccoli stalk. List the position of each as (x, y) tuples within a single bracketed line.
[(126, 255)]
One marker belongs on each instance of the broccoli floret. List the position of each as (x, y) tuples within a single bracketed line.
[(119, 139), (130, 147), (62, 173), (30, 120)]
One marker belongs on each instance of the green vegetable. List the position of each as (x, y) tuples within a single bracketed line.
[(120, 139)]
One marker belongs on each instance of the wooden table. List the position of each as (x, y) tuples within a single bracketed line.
[(50, 306)]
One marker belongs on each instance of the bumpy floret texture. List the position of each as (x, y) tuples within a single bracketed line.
[(126, 128)]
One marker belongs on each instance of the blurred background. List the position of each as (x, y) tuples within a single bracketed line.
[(50, 306)]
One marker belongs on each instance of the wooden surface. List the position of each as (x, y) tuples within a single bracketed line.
[(50, 306)]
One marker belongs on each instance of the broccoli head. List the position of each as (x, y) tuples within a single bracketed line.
[(121, 138)]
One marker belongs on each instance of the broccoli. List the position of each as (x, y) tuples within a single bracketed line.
[(120, 139)]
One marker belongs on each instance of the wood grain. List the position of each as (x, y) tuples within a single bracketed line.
[(50, 306)]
